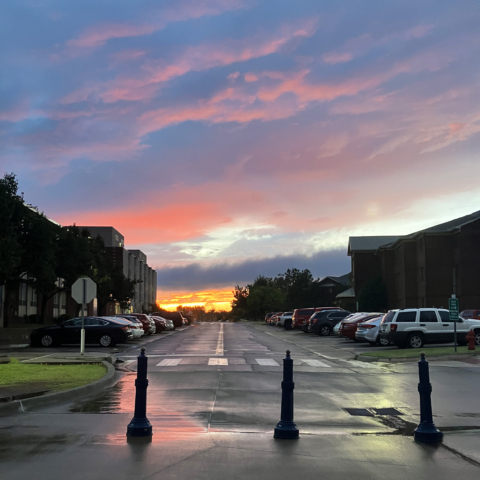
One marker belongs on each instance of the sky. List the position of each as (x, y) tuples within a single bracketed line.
[(232, 138)]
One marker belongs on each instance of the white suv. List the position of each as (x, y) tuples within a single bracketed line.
[(413, 327), (284, 316)]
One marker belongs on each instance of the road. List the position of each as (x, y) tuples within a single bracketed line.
[(214, 399)]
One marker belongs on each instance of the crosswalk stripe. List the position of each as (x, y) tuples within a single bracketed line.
[(315, 363), (267, 362), (218, 361), (169, 362)]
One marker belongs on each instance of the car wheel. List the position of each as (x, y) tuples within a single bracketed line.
[(106, 341), (288, 325), (324, 331), (415, 340), (47, 341), (477, 337), (384, 342)]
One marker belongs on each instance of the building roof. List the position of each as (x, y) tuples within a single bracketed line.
[(335, 281), (347, 293), (369, 243), (452, 224)]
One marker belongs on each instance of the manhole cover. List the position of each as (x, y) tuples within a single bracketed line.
[(387, 411), (359, 412)]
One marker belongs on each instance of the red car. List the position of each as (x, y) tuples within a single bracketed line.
[(349, 327), (474, 314), (147, 322), (301, 315)]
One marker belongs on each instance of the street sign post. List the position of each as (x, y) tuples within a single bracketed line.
[(84, 290), (454, 308)]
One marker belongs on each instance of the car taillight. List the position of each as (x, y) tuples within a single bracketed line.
[(125, 329), (368, 326), (393, 327)]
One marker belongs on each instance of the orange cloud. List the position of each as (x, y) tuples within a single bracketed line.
[(217, 299)]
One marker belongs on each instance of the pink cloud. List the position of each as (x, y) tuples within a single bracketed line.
[(195, 58), (98, 35), (361, 45)]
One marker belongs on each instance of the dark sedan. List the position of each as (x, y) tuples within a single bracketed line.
[(105, 332), (323, 322)]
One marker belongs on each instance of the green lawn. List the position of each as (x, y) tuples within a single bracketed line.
[(415, 352), (48, 377)]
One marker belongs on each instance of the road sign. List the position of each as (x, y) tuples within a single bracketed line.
[(84, 290), (454, 309)]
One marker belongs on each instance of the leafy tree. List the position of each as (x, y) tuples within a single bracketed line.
[(239, 302), (11, 212), (373, 296), (263, 299)]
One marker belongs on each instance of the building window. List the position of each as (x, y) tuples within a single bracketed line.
[(33, 298)]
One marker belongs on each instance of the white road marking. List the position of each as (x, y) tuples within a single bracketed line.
[(219, 349), (356, 363), (315, 363), (218, 361), (268, 362), (35, 358), (169, 362)]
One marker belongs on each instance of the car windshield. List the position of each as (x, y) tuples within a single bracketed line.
[(388, 317)]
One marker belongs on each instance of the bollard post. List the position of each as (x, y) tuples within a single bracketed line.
[(426, 431), (140, 426), (286, 428)]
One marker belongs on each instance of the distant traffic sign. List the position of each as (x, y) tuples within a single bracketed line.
[(454, 309), (84, 290)]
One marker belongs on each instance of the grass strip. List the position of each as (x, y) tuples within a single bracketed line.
[(415, 352), (48, 377)]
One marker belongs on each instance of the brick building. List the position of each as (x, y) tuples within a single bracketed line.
[(424, 268)]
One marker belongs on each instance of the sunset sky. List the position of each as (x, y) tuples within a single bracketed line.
[(231, 138)]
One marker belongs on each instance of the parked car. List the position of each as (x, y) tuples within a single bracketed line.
[(474, 314), (413, 327), (176, 317), (369, 332), (301, 315), (104, 331), (283, 317), (322, 323), (135, 325), (160, 323), (267, 317), (349, 326), (147, 322)]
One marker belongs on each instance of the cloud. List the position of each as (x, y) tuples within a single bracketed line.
[(155, 73), (359, 46), (194, 276), (97, 35)]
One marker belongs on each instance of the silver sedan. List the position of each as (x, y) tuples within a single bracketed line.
[(368, 332)]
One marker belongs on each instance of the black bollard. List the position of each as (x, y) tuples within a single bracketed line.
[(426, 431), (286, 428), (140, 426)]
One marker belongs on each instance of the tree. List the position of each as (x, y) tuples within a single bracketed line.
[(11, 212), (301, 292), (239, 302), (264, 299), (373, 296)]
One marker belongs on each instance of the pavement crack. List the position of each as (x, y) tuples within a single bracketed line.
[(180, 461)]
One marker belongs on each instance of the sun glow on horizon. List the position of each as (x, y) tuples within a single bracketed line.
[(210, 299)]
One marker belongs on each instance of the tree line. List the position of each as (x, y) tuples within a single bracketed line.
[(287, 291), (36, 251)]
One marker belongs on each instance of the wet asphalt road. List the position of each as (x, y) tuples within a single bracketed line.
[(217, 386)]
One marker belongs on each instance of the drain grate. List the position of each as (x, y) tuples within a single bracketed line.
[(359, 412), (370, 412)]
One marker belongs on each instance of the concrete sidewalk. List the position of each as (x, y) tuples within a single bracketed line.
[(78, 446)]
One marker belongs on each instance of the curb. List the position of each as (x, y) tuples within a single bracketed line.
[(28, 404), (461, 356)]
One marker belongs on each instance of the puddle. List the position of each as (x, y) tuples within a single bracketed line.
[(118, 399)]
